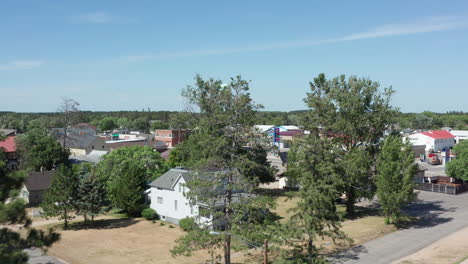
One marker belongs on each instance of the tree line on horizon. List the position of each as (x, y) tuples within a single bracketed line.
[(146, 120)]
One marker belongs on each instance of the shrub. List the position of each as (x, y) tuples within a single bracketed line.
[(171, 226), (149, 214), (187, 224)]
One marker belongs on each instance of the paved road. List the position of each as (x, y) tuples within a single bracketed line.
[(441, 215), (36, 256)]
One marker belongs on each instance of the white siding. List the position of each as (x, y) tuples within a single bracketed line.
[(167, 208)]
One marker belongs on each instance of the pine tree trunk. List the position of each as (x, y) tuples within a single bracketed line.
[(85, 219), (65, 217), (350, 201), (310, 251), (227, 236)]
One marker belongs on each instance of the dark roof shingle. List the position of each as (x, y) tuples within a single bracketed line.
[(39, 181)]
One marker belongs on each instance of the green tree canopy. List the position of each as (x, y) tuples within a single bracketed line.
[(312, 164), (60, 198), (13, 211), (221, 119), (458, 167), (107, 123), (126, 172), (354, 112), (395, 177), (37, 149)]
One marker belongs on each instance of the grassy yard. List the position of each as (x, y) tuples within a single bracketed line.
[(366, 226), (116, 239)]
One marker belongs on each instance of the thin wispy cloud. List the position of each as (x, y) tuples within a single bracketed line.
[(95, 18), (427, 25), (21, 65)]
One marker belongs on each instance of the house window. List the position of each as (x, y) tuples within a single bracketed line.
[(180, 187), (160, 200), (175, 205), (191, 210)]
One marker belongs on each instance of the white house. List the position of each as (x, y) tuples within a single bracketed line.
[(167, 196), (435, 140)]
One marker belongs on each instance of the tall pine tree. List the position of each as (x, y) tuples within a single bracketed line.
[(312, 164), (221, 118), (90, 194), (59, 199)]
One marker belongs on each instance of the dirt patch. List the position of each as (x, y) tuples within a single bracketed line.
[(128, 241), (450, 249)]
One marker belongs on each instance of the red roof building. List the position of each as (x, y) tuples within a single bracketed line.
[(438, 134), (9, 144)]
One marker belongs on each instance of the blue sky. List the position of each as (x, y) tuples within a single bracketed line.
[(130, 55)]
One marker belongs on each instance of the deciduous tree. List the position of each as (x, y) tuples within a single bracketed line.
[(458, 167), (38, 150), (126, 171), (395, 177), (354, 113)]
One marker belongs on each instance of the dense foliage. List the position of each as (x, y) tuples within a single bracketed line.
[(458, 167), (395, 177), (13, 211), (353, 113), (36, 150), (126, 172), (149, 214), (313, 166), (60, 198), (227, 161)]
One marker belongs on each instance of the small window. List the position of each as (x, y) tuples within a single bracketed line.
[(180, 187), (191, 210), (160, 200), (176, 206)]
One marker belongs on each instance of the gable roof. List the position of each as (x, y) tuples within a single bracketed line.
[(85, 125), (7, 132), (79, 142), (39, 181), (168, 179), (438, 134), (9, 144)]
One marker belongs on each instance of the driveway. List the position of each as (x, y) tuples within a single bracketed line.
[(36, 256), (441, 215)]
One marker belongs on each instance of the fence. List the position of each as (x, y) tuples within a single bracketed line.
[(443, 188)]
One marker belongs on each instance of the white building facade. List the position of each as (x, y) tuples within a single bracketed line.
[(435, 140), (167, 196)]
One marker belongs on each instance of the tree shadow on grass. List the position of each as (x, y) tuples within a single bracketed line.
[(275, 192), (103, 224)]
